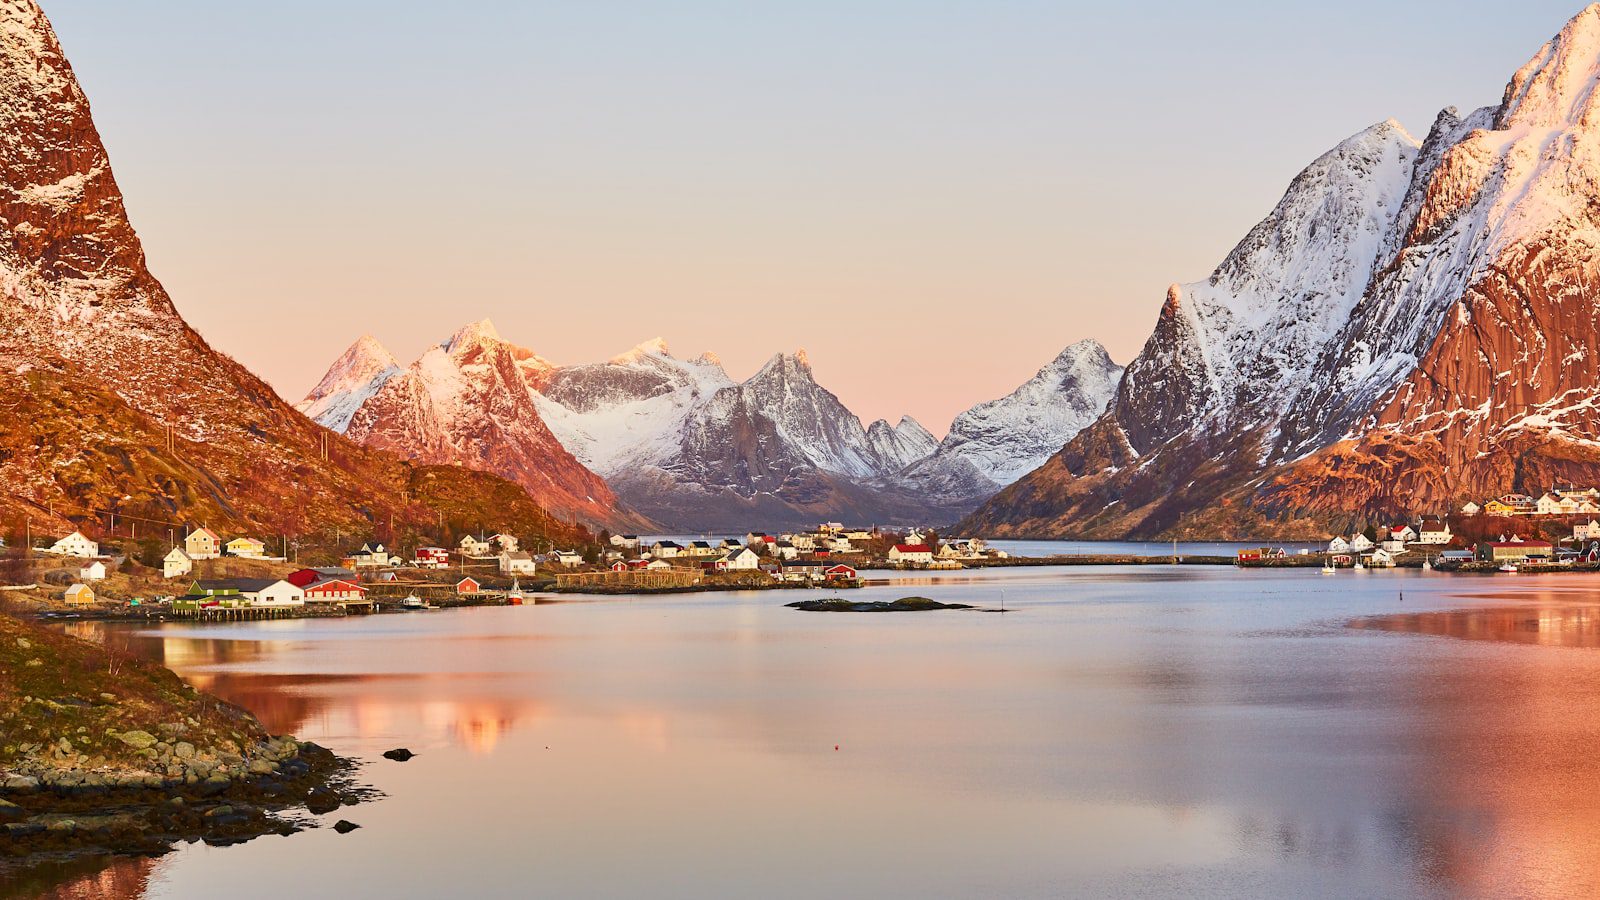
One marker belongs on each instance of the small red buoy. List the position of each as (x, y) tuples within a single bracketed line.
[(835, 746)]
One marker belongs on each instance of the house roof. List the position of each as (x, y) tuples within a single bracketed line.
[(913, 548), (203, 532), (1544, 544)]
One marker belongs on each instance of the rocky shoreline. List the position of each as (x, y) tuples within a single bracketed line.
[(103, 753)]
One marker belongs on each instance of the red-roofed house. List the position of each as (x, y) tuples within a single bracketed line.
[(911, 553)]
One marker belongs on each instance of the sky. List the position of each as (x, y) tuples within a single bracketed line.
[(932, 198)]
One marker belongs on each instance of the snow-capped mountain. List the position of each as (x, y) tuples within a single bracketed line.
[(468, 401), (354, 378), (1412, 326), (1007, 438), (896, 446)]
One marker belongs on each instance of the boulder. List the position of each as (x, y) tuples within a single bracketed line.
[(345, 827), (400, 754), (138, 740)]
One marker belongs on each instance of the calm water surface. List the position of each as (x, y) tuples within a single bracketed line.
[(1143, 731)]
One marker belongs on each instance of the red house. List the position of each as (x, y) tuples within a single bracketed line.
[(433, 558), (468, 585), (619, 566), (839, 572), (334, 590)]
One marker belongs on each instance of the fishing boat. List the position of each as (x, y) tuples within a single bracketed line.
[(1427, 566), (514, 596), (1508, 567), (1358, 566), (412, 601), (1327, 566)]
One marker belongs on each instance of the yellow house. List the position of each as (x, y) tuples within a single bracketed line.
[(1496, 508), (247, 548), (79, 595), (202, 543)]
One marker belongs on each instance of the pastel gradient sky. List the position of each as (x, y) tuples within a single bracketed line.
[(933, 198)]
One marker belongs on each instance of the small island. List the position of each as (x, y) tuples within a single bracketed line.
[(904, 604)]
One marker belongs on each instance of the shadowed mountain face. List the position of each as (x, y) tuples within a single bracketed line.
[(96, 364), (1414, 325)]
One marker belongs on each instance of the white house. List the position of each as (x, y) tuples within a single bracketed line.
[(516, 562), (567, 557), (370, 556), (506, 542), (625, 541), (272, 593), (93, 570), (1434, 531), (785, 550), (1338, 545), (1586, 532), (76, 544), (915, 536), (1404, 533), (657, 565), (1471, 509), (911, 553), (247, 548), (803, 542), (1360, 542), (202, 543), (471, 546), (666, 550), (176, 564), (1548, 505), (740, 560), (1381, 558)]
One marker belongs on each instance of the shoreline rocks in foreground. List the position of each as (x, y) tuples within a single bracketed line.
[(105, 753), (904, 604)]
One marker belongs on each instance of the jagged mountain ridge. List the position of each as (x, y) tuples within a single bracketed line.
[(113, 402), (1414, 325), (685, 445)]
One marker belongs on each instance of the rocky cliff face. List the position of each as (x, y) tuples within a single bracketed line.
[(96, 364), (1414, 325)]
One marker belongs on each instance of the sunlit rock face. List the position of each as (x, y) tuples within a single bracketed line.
[(1413, 325)]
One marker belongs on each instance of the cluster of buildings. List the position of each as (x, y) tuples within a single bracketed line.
[(1563, 501)]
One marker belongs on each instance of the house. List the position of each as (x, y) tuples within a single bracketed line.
[(628, 542), (334, 589), (741, 560), (1548, 505), (93, 570), (471, 546), (1456, 556), (246, 548), (305, 577), (567, 557), (432, 558), (1381, 558), (1434, 531), (839, 572), (911, 553), (468, 585), (176, 563), (1403, 533), (506, 542), (915, 536), (1471, 509), (1514, 551), (1520, 504), (1497, 508), (1360, 542), (657, 565), (1586, 532), (666, 550), (756, 537), (76, 544), (1338, 545), (802, 570), (271, 592), (621, 566), (1393, 543), (216, 592), (516, 562), (202, 543), (785, 550), (841, 544), (370, 556), (803, 542), (729, 544), (699, 548), (79, 595)]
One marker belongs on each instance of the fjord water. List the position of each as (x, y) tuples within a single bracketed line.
[(1133, 731)]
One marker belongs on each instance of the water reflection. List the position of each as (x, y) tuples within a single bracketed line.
[(1549, 626)]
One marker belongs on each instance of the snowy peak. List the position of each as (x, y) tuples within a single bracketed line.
[(357, 374), (471, 334), (1005, 439), (1557, 88), (898, 446), (656, 347)]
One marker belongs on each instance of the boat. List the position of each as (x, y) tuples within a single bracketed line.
[(1358, 566), (1508, 567), (413, 602), (1427, 566), (514, 596), (1327, 566)]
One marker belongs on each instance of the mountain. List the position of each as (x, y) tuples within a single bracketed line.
[(113, 403), (684, 444), (351, 382), (1007, 438), (469, 401), (1412, 326)]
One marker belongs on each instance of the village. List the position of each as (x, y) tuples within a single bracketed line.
[(1512, 532), (207, 576)]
